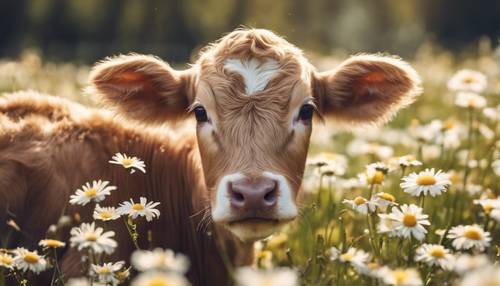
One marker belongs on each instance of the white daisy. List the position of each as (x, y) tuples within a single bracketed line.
[(384, 200), (88, 236), (468, 80), (106, 272), (426, 182), (159, 259), (247, 276), (127, 162), (407, 161), (372, 176), (329, 162), (355, 257), (409, 221), (158, 278), (386, 225), (470, 100), (51, 243), (143, 208), (489, 206), (105, 213), (492, 113), (400, 277), (96, 192), (6, 260), (435, 255), (465, 262), (29, 260), (488, 276), (361, 205), (469, 236), (495, 165)]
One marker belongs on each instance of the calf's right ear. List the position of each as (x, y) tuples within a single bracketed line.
[(143, 87)]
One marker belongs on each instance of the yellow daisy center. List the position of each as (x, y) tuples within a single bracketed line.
[(400, 276), (359, 201), (377, 178), (157, 281), (469, 79), (426, 180), (106, 214), (487, 208), (409, 220), (91, 237), (105, 270), (472, 233), (92, 192), (347, 256), (448, 124), (387, 197), (31, 258), (127, 162), (437, 252), (138, 207), (6, 259), (53, 243)]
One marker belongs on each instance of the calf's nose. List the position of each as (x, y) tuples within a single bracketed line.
[(256, 194)]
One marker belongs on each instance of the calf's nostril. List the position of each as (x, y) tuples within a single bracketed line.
[(271, 196), (237, 197)]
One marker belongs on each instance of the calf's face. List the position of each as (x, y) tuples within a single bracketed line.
[(254, 97)]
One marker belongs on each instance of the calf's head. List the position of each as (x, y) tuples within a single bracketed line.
[(254, 96)]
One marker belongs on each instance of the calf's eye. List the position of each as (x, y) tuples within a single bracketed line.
[(306, 112), (201, 114)]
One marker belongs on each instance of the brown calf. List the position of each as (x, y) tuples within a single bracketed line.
[(253, 95)]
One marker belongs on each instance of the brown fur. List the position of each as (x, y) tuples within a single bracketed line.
[(49, 147)]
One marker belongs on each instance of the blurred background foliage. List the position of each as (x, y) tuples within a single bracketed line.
[(87, 30)]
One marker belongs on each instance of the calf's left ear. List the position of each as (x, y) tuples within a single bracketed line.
[(143, 87), (366, 89)]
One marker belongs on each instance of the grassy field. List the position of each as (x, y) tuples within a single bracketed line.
[(371, 212)]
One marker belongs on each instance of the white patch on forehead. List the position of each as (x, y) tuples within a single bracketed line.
[(255, 73)]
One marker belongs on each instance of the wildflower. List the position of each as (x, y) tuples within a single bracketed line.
[(247, 276), (426, 182), (122, 275), (361, 147), (470, 100), (81, 281), (466, 262), (408, 161), (127, 162), (409, 221), (29, 260), (143, 208), (6, 260), (468, 80), (158, 278), (106, 272), (495, 165), (386, 225), (400, 277), (361, 205), (105, 213), (492, 113), (335, 163), (265, 259), (488, 205), (88, 236), (51, 243), (372, 176), (95, 192), (383, 200), (435, 255), (159, 259), (489, 276), (355, 257), (469, 236)]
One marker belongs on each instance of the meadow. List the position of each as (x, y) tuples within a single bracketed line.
[(415, 202)]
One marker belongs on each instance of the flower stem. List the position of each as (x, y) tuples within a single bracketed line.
[(132, 231)]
